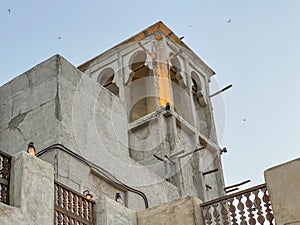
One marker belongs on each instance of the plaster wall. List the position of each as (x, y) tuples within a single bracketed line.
[(31, 192), (181, 211), (109, 212), (94, 125), (160, 135), (57, 103), (28, 106), (283, 183)]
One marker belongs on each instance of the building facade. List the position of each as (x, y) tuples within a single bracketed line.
[(135, 120)]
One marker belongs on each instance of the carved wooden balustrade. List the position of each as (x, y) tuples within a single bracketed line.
[(72, 208), (251, 206), (5, 164)]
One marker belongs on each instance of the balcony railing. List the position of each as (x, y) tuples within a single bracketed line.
[(72, 208), (5, 164), (251, 206)]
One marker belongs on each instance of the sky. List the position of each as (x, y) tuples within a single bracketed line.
[(258, 52)]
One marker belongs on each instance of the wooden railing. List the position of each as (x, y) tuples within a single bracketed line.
[(251, 206), (72, 208), (5, 164)]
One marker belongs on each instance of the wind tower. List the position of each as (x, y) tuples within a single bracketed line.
[(164, 87)]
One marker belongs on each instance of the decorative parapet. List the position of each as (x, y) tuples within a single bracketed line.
[(251, 206)]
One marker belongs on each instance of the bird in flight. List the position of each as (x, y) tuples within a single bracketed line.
[(229, 21), (59, 37), (9, 10)]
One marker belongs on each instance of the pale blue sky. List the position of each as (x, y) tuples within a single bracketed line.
[(258, 52)]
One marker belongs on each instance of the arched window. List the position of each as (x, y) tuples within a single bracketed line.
[(106, 79), (140, 88), (137, 60), (175, 69), (200, 102), (181, 99)]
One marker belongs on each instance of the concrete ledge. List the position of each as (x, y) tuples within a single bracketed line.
[(109, 212), (11, 215), (181, 211)]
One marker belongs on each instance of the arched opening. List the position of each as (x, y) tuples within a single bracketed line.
[(175, 70), (142, 100), (106, 79), (200, 102), (181, 100)]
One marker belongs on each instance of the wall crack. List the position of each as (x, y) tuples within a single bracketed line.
[(16, 121)]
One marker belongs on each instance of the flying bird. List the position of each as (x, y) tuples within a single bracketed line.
[(9, 10), (229, 21), (59, 37)]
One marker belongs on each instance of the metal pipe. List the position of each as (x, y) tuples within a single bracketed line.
[(207, 186), (146, 50), (178, 153), (236, 185), (226, 197), (171, 160), (176, 54), (196, 150), (210, 171), (158, 158), (224, 89), (231, 190)]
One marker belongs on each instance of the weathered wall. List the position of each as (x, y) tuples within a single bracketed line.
[(283, 184), (28, 106), (94, 124), (56, 103), (160, 135), (181, 211), (31, 192), (109, 212)]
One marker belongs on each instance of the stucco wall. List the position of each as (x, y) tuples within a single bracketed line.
[(94, 124), (56, 103), (109, 212), (31, 192), (283, 184), (181, 211), (28, 106), (162, 135)]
